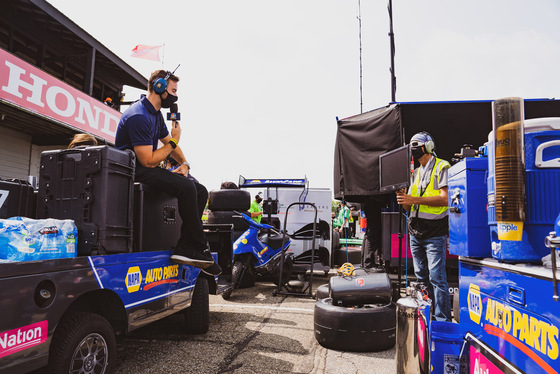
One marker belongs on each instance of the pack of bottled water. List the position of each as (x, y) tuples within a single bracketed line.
[(26, 239)]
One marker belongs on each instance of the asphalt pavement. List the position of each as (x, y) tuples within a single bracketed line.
[(252, 332)]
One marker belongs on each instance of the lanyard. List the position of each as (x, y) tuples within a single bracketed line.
[(425, 174)]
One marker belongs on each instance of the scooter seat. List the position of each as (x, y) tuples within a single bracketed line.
[(274, 241)]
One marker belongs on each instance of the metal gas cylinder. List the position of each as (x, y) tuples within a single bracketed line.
[(413, 318)]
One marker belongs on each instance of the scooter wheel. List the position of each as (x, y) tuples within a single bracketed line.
[(227, 294), (242, 279), (367, 328)]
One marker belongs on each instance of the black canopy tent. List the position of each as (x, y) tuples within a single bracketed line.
[(359, 142), (361, 139)]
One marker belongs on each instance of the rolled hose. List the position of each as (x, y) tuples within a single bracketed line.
[(346, 269)]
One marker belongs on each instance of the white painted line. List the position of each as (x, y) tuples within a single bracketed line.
[(95, 272), (279, 308)]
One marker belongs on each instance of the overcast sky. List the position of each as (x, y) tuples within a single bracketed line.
[(263, 81)]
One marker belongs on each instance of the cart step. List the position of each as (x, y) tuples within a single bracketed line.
[(223, 286)]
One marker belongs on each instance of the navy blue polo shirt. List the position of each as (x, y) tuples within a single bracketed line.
[(140, 124)]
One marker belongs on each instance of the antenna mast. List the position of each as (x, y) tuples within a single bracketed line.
[(392, 39), (360, 36)]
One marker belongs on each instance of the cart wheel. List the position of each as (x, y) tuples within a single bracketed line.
[(229, 200), (83, 342), (366, 328), (197, 316)]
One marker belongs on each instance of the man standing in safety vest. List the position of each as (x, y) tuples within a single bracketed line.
[(428, 223), (256, 209)]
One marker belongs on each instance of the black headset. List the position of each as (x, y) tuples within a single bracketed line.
[(160, 85)]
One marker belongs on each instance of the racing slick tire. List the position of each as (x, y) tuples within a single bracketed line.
[(83, 342), (335, 240), (224, 200), (197, 316), (366, 328), (323, 291), (351, 254)]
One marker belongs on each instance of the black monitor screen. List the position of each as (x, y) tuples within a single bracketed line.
[(394, 169)]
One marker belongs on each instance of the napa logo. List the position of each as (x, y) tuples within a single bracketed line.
[(475, 303), (156, 275), (133, 279)]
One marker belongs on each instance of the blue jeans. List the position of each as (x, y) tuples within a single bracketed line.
[(429, 267)]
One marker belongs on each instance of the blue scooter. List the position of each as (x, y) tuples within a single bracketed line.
[(257, 252)]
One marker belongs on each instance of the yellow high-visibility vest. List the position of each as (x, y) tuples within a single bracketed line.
[(425, 211)]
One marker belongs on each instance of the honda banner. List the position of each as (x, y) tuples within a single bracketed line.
[(30, 88)]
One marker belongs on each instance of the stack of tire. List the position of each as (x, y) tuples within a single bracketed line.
[(223, 204), (355, 313)]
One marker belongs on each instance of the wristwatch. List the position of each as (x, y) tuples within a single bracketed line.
[(186, 163)]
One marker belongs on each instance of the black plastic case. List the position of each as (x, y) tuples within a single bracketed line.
[(93, 186), (220, 239), (365, 287), (17, 198), (157, 223)]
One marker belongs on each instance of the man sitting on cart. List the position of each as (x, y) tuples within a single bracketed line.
[(140, 128)]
